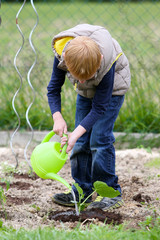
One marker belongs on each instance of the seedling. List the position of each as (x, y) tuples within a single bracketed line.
[(3, 196), (36, 207), (148, 149), (99, 187), (153, 163), (1, 223), (8, 169)]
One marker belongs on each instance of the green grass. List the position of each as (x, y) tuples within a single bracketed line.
[(134, 25), (153, 163), (129, 141), (146, 231)]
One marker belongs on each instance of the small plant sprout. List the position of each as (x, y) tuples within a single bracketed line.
[(1, 223), (99, 187), (81, 206), (36, 207), (3, 196)]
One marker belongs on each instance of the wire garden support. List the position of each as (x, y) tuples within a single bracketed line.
[(29, 82), (18, 90)]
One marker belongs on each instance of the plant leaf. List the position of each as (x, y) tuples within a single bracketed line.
[(7, 185), (80, 191), (82, 207), (104, 190)]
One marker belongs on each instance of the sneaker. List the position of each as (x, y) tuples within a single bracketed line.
[(66, 199), (106, 203)]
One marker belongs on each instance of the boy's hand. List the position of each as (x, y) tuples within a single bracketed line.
[(60, 125), (72, 138)]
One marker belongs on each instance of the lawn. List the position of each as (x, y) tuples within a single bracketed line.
[(95, 232)]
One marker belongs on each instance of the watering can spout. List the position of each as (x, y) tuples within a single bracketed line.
[(58, 178)]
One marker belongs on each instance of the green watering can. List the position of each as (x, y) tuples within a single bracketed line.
[(47, 160)]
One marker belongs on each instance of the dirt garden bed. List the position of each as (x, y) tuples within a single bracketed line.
[(29, 198)]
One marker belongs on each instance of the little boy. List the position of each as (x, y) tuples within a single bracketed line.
[(95, 64)]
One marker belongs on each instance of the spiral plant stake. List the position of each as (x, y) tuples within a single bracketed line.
[(0, 16), (20, 76), (29, 82)]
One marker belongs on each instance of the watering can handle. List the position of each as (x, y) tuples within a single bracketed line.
[(49, 136), (63, 153)]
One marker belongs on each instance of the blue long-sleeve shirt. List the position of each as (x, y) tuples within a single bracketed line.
[(100, 100)]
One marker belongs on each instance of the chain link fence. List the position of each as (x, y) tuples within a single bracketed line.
[(135, 24)]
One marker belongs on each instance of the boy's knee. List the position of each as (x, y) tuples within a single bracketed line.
[(102, 141), (80, 148)]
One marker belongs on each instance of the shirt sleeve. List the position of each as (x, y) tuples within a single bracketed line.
[(54, 87), (101, 99)]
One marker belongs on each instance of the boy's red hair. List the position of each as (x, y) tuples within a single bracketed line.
[(82, 57)]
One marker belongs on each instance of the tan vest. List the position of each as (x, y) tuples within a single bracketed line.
[(111, 52)]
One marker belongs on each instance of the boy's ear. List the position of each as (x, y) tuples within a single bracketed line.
[(64, 55), (101, 57)]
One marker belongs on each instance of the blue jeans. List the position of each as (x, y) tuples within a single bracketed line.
[(93, 155)]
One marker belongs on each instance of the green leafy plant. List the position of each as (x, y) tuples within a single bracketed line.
[(104, 190), (36, 207), (153, 163), (99, 187), (1, 223), (148, 149), (3, 196), (150, 222), (9, 170)]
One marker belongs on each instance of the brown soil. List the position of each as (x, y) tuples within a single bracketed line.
[(85, 216), (29, 198)]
